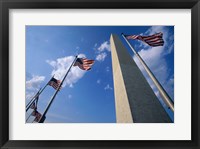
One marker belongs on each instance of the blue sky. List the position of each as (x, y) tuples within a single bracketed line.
[(88, 96)]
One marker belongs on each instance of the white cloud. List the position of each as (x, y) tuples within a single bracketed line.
[(169, 85), (155, 29), (52, 63), (107, 69), (28, 76), (107, 87), (104, 46), (29, 95), (98, 81), (77, 48), (34, 82), (155, 61), (61, 66), (101, 50), (71, 85), (33, 85), (169, 49), (101, 57), (95, 45), (55, 118)]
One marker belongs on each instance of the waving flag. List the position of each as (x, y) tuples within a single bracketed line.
[(83, 63), (152, 40), (37, 116), (54, 83), (34, 104)]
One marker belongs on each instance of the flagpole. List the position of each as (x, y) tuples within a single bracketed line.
[(31, 101), (28, 117), (35, 97), (53, 97), (161, 90)]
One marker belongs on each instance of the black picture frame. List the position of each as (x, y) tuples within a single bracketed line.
[(5, 5)]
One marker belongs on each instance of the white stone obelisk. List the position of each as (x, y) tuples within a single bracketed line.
[(135, 101)]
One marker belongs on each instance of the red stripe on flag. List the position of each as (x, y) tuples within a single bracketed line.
[(84, 64), (152, 40)]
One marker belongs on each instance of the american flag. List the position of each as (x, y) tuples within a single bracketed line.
[(83, 63), (54, 83), (152, 40), (33, 106), (34, 113), (37, 117)]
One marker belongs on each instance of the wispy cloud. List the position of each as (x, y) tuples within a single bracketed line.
[(55, 118), (170, 49), (101, 57), (98, 81), (155, 29), (29, 94), (108, 87), (104, 46), (33, 84), (60, 67), (107, 69), (95, 46), (101, 51), (28, 76), (153, 57)]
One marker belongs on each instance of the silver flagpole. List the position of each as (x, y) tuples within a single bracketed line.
[(161, 90), (32, 100), (28, 117), (53, 97)]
